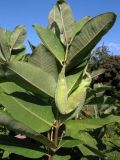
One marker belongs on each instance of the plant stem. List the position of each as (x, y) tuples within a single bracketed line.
[(50, 158), (56, 133), (66, 54)]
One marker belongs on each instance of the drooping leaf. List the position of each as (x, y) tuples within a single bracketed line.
[(36, 77), (17, 37), (51, 42), (62, 21), (77, 125), (12, 124), (42, 58), (14, 145), (4, 46), (23, 108), (88, 37)]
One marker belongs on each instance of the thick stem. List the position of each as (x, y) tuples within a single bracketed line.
[(56, 133)]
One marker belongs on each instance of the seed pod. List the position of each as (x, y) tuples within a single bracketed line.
[(61, 92), (77, 98)]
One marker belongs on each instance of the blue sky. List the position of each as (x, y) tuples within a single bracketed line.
[(28, 12)]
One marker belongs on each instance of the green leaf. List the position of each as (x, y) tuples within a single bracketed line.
[(84, 137), (72, 79), (61, 93), (7, 121), (79, 24), (56, 157), (115, 155), (87, 151), (88, 37), (31, 46), (25, 109), (17, 37), (78, 125), (18, 54), (4, 46), (39, 80), (69, 143), (51, 42), (14, 145), (61, 17), (2, 58), (81, 139), (42, 58), (54, 21)]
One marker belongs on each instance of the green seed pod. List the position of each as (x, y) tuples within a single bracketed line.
[(61, 92), (77, 98)]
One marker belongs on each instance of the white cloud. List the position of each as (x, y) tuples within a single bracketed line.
[(114, 46)]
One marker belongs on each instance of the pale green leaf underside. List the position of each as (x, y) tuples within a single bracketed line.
[(67, 22), (35, 76), (78, 25), (17, 37), (4, 46), (88, 37), (42, 58), (61, 21)]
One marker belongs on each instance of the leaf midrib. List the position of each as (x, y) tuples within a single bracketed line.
[(31, 83), (32, 113), (50, 124), (65, 34)]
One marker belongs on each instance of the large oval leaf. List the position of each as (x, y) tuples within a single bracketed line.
[(51, 42), (4, 46), (25, 108), (17, 37), (42, 58), (77, 125), (88, 37), (61, 15), (41, 81)]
